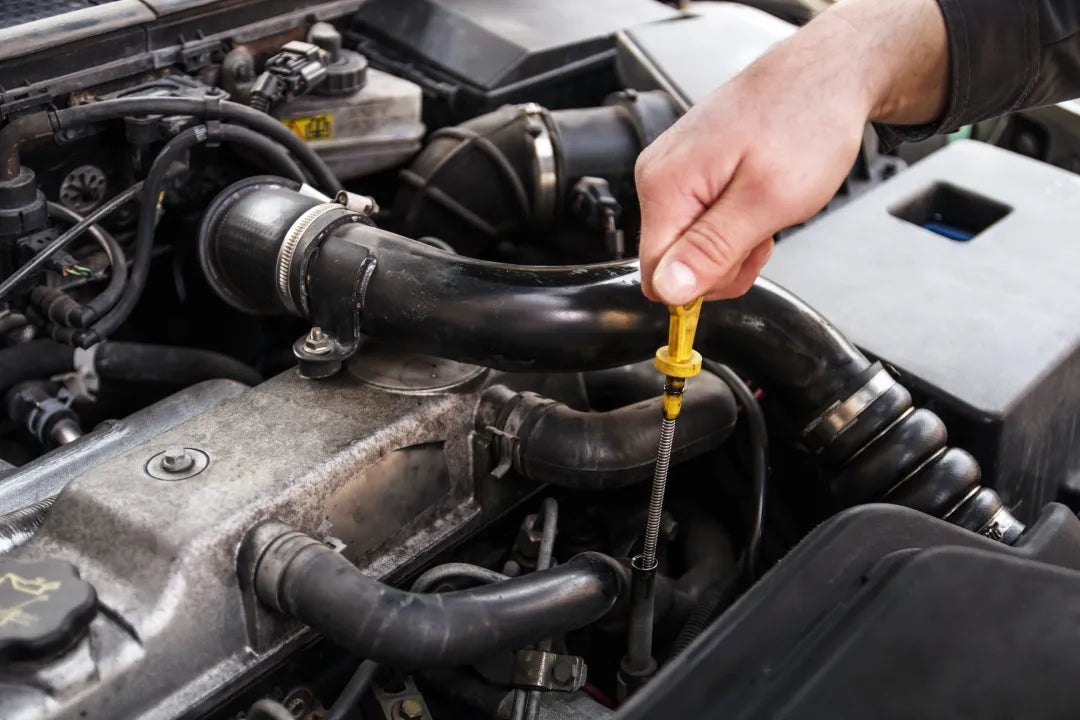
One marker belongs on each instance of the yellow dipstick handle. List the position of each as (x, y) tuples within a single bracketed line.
[(678, 359)]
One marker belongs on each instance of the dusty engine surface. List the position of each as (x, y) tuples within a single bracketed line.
[(328, 385)]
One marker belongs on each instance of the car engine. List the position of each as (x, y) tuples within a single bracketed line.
[(328, 385)]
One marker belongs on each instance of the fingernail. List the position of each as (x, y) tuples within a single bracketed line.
[(675, 282)]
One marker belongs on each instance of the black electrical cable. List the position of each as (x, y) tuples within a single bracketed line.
[(82, 115), (108, 297), (759, 458), (150, 199), (349, 698), (35, 263)]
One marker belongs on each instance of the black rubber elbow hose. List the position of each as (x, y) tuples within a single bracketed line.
[(550, 442), (283, 252), (308, 581)]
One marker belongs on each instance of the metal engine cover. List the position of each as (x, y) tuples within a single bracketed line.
[(385, 466)]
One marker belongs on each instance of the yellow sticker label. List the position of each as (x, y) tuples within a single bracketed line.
[(315, 127)]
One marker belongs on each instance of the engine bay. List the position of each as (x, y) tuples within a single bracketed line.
[(329, 390)]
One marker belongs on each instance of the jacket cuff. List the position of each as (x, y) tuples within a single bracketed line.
[(993, 64)]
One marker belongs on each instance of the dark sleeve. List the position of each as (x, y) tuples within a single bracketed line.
[(1004, 55)]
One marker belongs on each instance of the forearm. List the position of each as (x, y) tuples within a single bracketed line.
[(1003, 55)]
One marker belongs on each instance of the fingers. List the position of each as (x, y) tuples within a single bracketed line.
[(748, 272), (671, 197), (721, 253)]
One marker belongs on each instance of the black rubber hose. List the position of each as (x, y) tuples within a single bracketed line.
[(716, 598), (353, 692), (312, 583), (33, 360), (149, 203), (69, 236), (82, 115), (592, 317), (166, 364), (136, 362), (759, 459), (524, 318), (906, 460), (117, 262), (551, 442), (60, 307), (268, 150)]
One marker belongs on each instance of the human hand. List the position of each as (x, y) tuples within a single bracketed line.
[(770, 148)]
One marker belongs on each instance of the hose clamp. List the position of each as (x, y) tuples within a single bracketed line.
[(827, 426), (545, 172), (82, 383), (288, 253), (1003, 527)]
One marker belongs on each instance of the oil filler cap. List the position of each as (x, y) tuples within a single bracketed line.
[(44, 607)]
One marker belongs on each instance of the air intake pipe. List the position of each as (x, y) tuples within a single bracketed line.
[(510, 172), (277, 250)]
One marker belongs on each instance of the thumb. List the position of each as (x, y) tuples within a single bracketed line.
[(709, 254)]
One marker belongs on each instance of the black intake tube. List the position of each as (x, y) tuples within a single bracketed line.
[(556, 444), (577, 318), (136, 362), (310, 582), (904, 459), (591, 317)]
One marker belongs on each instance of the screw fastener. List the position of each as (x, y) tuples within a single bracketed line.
[(177, 460)]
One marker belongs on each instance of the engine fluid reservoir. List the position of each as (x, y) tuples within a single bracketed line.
[(371, 129)]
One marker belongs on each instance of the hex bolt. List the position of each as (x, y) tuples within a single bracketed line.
[(410, 709), (563, 672), (177, 460), (317, 342)]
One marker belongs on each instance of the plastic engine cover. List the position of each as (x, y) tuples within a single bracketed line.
[(887, 613), (961, 274)]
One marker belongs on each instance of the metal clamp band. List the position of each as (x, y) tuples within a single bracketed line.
[(288, 249), (544, 169), (841, 414)]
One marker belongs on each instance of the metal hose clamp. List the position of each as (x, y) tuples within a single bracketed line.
[(287, 253), (546, 179), (827, 426)]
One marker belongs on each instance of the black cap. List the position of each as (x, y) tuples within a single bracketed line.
[(44, 607), (347, 71)]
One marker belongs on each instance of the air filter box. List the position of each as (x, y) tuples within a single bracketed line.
[(475, 55), (962, 274)]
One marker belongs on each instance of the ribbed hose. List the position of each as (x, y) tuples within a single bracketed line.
[(713, 601), (896, 453)]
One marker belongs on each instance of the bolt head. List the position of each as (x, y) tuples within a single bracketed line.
[(177, 460), (563, 672), (411, 709)]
